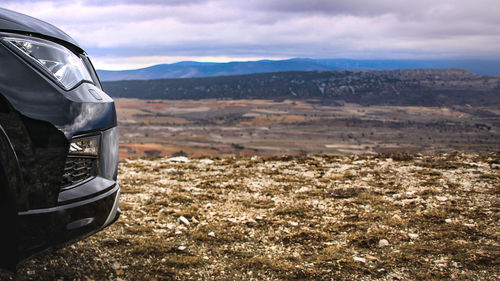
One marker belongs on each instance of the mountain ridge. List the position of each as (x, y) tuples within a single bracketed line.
[(193, 69), (419, 87)]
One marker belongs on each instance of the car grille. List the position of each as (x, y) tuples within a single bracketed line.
[(77, 170)]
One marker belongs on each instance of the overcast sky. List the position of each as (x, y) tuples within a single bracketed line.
[(123, 34)]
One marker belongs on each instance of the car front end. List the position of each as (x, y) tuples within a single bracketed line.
[(58, 141)]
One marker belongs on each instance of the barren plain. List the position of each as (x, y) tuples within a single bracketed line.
[(268, 127)]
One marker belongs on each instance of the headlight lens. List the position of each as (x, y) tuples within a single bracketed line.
[(59, 62)]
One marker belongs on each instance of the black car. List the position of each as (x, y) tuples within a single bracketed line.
[(58, 141)]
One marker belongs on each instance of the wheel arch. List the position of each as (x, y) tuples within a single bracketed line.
[(10, 185)]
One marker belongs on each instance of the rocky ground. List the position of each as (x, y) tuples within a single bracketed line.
[(391, 217)]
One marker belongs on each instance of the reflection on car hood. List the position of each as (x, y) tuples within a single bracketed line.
[(13, 21)]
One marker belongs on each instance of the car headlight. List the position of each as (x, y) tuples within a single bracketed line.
[(60, 63)]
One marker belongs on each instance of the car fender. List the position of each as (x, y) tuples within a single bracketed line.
[(10, 183)]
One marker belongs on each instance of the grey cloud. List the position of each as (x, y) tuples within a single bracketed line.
[(278, 28), (144, 2)]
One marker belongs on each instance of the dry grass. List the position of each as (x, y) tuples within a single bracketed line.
[(386, 217)]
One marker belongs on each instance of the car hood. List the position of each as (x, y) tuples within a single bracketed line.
[(17, 22)]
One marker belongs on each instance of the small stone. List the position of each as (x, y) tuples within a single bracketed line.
[(413, 235), (447, 220), (206, 161), (441, 198), (302, 189), (194, 220), (383, 243), (179, 159), (182, 248), (363, 260), (441, 262), (396, 217), (115, 266), (178, 232), (293, 223), (183, 220), (170, 226), (211, 234)]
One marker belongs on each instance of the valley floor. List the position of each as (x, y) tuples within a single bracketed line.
[(267, 127)]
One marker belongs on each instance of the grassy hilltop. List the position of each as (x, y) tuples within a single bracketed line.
[(391, 217)]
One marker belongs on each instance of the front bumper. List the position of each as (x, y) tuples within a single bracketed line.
[(42, 228), (77, 210)]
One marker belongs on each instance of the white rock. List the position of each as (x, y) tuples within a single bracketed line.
[(116, 266), (441, 198), (447, 220), (179, 159), (309, 174), (182, 248), (211, 234), (363, 260), (383, 243), (170, 226), (206, 161), (178, 232), (293, 223), (302, 189), (396, 217), (413, 235), (183, 220)]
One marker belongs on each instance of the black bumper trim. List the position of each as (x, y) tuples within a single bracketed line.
[(72, 205)]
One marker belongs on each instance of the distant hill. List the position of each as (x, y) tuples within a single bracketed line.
[(427, 87), (190, 69)]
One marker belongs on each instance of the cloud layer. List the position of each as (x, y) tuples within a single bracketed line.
[(131, 33)]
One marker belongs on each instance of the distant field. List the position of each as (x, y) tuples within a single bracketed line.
[(250, 127)]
